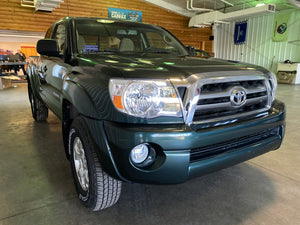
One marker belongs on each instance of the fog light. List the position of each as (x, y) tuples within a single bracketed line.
[(143, 155), (139, 153)]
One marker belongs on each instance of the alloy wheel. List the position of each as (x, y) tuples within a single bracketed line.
[(80, 164)]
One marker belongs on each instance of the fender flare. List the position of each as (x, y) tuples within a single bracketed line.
[(79, 98), (82, 104), (33, 81)]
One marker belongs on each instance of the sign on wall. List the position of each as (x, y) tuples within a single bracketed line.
[(240, 32), (280, 27), (125, 14)]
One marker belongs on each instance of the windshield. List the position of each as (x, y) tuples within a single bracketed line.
[(102, 36)]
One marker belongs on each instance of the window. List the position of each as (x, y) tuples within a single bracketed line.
[(60, 36), (100, 36)]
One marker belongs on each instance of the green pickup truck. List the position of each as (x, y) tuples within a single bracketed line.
[(136, 106)]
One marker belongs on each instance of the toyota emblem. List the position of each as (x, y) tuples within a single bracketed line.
[(238, 96)]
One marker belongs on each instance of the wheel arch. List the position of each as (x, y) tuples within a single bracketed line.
[(69, 113), (77, 102), (79, 98), (32, 81), (96, 132)]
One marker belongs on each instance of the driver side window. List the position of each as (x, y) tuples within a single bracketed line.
[(60, 36)]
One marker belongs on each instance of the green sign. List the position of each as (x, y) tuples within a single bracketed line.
[(280, 27)]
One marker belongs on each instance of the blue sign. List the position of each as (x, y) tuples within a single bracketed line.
[(125, 14), (240, 32)]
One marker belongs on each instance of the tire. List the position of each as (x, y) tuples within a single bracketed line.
[(95, 188), (38, 108)]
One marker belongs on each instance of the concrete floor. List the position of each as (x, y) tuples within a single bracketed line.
[(36, 184)]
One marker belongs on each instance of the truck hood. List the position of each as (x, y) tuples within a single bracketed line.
[(129, 66), (94, 72)]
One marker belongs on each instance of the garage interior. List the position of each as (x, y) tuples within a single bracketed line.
[(36, 182)]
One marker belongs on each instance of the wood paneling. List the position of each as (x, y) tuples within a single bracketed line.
[(15, 17)]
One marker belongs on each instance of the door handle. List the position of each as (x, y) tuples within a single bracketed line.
[(45, 69)]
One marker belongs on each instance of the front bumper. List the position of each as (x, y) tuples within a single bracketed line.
[(174, 143)]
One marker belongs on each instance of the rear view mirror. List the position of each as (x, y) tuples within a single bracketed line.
[(48, 47)]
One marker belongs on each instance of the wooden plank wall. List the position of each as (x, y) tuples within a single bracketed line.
[(15, 17)]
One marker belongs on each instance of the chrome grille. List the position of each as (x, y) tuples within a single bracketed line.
[(215, 99)]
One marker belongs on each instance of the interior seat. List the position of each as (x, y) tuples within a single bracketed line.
[(126, 45)]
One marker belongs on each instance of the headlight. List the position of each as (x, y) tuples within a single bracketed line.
[(145, 99), (273, 84)]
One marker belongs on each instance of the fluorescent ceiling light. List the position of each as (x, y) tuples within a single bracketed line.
[(260, 4), (228, 3), (17, 35)]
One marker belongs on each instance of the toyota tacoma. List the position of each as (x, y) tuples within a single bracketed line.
[(136, 106)]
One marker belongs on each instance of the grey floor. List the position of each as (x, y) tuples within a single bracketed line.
[(36, 185)]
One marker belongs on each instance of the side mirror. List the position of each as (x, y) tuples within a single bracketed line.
[(191, 50), (48, 47)]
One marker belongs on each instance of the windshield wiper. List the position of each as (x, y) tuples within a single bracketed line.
[(156, 52), (102, 51)]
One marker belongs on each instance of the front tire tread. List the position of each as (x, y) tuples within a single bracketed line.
[(104, 190)]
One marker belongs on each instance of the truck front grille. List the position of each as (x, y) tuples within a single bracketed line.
[(231, 145), (215, 99)]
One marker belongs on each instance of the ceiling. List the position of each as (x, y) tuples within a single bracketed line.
[(224, 6)]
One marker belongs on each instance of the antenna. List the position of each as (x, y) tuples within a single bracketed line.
[(68, 7)]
